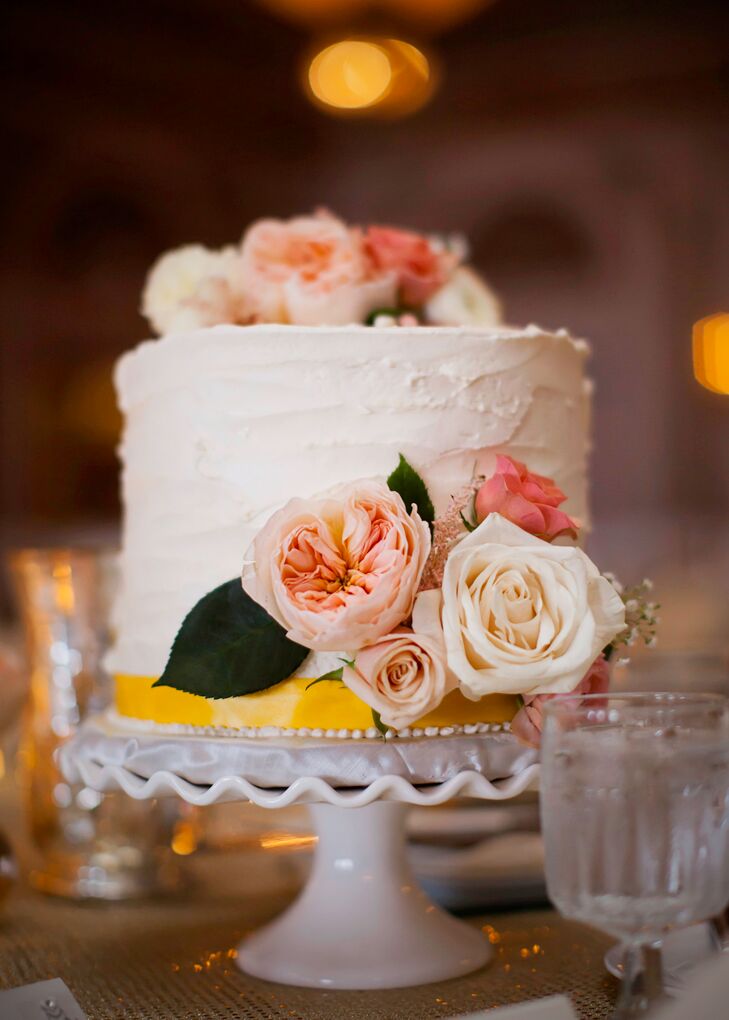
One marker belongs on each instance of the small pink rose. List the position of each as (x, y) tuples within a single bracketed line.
[(527, 723), (420, 268), (526, 499), (339, 573), (402, 677)]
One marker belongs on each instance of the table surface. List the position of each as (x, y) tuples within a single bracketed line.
[(175, 957)]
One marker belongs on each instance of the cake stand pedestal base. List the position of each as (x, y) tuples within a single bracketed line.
[(362, 921)]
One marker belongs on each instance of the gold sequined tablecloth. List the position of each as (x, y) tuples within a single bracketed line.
[(175, 960)]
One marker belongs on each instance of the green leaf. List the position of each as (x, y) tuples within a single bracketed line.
[(228, 645), (379, 723), (406, 481), (333, 674), (394, 312), (467, 523)]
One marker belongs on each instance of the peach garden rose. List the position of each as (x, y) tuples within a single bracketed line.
[(339, 572), (310, 270)]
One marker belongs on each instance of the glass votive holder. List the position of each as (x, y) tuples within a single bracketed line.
[(79, 843)]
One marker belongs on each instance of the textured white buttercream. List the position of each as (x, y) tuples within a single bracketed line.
[(223, 425)]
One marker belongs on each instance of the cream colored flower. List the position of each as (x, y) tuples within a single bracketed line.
[(189, 287), (464, 300), (521, 616), (404, 675)]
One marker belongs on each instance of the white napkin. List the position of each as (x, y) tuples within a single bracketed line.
[(42, 1000), (705, 996), (556, 1007)]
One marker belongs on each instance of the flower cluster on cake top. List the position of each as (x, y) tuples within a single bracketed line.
[(492, 596), (318, 271)]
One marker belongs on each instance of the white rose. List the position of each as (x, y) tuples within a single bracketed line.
[(465, 300), (174, 281), (521, 616)]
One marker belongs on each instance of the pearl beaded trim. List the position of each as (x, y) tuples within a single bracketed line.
[(371, 733)]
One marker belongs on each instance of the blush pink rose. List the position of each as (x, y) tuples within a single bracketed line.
[(526, 499), (339, 573), (420, 268), (310, 270), (527, 723), (402, 677)]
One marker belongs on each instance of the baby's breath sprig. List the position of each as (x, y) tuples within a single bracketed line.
[(641, 615)]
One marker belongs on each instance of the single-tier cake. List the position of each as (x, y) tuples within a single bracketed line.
[(343, 468)]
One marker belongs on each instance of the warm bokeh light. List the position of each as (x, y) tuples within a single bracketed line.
[(350, 74), (286, 841), (184, 838), (88, 404), (711, 352), (413, 79), (370, 76)]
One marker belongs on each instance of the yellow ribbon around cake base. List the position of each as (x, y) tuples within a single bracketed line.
[(289, 705)]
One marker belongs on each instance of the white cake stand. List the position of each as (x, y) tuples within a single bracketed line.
[(361, 922)]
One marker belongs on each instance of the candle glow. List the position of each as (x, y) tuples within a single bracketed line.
[(711, 352)]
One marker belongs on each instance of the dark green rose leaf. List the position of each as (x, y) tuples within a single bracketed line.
[(406, 481), (333, 674), (228, 645), (394, 312), (467, 524), (379, 724)]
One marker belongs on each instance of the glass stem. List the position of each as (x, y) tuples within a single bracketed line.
[(720, 931), (642, 984)]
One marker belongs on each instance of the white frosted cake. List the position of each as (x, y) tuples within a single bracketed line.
[(254, 445)]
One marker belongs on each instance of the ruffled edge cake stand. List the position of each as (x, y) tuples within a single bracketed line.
[(361, 921)]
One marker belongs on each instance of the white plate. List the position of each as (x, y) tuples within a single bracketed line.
[(502, 870)]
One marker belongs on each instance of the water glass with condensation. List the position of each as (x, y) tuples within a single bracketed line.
[(635, 815)]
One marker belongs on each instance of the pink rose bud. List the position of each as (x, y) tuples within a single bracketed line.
[(526, 499), (420, 269), (402, 677), (527, 723)]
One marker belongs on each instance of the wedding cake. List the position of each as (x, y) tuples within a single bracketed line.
[(351, 496)]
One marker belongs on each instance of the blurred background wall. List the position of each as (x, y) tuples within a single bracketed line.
[(581, 146)]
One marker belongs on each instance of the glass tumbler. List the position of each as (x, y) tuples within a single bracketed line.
[(82, 843), (635, 816)]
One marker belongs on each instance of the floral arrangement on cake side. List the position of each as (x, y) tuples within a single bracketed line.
[(318, 271), (492, 597)]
